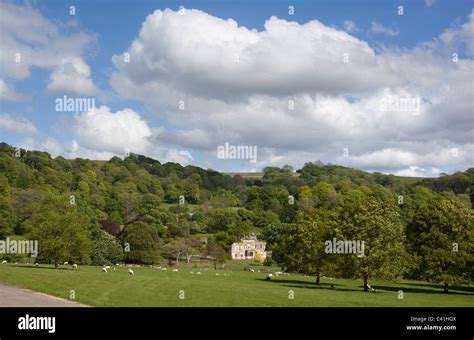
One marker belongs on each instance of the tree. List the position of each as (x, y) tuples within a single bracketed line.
[(441, 235), (186, 247), (107, 250), (7, 217), (142, 243), (305, 242), (61, 231), (378, 225), (215, 252)]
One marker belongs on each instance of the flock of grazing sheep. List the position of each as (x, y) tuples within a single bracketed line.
[(105, 269)]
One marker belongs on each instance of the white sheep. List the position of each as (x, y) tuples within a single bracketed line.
[(66, 263), (4, 262), (107, 267), (175, 270), (217, 274), (164, 269), (199, 273), (104, 270), (36, 264), (131, 272), (269, 277), (74, 266), (252, 270)]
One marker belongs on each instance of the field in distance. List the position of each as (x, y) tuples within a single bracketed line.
[(237, 288)]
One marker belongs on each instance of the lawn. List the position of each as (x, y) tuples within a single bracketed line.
[(153, 287)]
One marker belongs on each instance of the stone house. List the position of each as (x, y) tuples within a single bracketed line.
[(247, 248)]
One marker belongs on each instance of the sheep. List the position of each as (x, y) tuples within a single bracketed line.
[(36, 264), (74, 266), (269, 277), (131, 272), (192, 273), (198, 273), (4, 262), (175, 270), (252, 270), (114, 268), (107, 267), (66, 263), (217, 274), (104, 270), (164, 269)]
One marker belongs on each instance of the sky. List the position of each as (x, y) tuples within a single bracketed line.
[(376, 85)]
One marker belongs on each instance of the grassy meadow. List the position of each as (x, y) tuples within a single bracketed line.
[(151, 287)]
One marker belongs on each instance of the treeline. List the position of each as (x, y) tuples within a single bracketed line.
[(140, 210)]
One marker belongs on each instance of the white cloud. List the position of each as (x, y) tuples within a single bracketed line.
[(30, 40), (429, 3), (8, 93), (350, 26), (195, 54), (103, 133), (336, 104), (112, 131), (72, 77), (16, 124), (47, 144), (379, 28), (415, 171)]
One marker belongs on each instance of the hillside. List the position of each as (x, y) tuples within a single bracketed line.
[(165, 210)]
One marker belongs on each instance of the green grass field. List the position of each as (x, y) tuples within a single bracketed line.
[(153, 287)]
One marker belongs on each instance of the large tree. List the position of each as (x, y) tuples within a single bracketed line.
[(441, 236), (62, 233), (142, 243), (305, 242), (377, 224)]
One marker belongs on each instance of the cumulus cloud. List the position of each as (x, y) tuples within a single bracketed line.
[(17, 124), (301, 92), (379, 28), (288, 90), (30, 40), (209, 57), (72, 77), (415, 171), (8, 93), (102, 133)]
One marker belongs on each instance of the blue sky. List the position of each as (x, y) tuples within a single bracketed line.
[(410, 53)]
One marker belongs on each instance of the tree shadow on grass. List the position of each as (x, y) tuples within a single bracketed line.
[(310, 285), (439, 287), (405, 289), (33, 267)]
